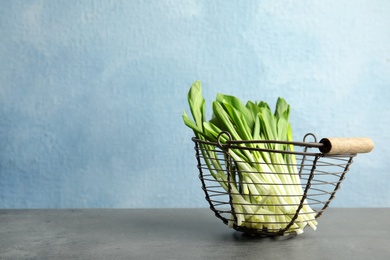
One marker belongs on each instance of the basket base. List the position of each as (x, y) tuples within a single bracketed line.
[(263, 232)]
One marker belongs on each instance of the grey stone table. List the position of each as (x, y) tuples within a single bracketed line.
[(184, 234)]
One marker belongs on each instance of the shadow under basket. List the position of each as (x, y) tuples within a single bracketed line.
[(282, 188)]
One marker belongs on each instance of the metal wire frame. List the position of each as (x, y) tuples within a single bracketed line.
[(320, 175)]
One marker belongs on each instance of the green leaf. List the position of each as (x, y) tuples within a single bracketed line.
[(188, 122), (281, 108), (263, 104), (268, 123), (238, 105), (253, 108), (197, 104), (256, 128), (282, 126), (225, 120), (239, 120), (213, 131)]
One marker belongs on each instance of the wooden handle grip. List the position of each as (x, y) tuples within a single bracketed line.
[(346, 145)]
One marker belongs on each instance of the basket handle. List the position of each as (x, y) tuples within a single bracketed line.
[(343, 145)]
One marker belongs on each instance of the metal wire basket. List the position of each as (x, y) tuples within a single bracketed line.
[(320, 175)]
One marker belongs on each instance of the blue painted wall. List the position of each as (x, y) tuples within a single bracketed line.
[(92, 92)]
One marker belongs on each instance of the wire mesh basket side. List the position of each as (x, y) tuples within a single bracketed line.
[(328, 176), (320, 178), (217, 197)]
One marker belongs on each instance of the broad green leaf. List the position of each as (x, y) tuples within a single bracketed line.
[(239, 120), (289, 133), (225, 120), (281, 108), (188, 122), (237, 104), (263, 104), (197, 104), (256, 128), (217, 122), (214, 131), (253, 108), (282, 126), (268, 124)]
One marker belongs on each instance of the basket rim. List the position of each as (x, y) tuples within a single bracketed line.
[(238, 144)]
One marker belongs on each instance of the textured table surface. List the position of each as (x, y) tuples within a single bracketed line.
[(183, 234)]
